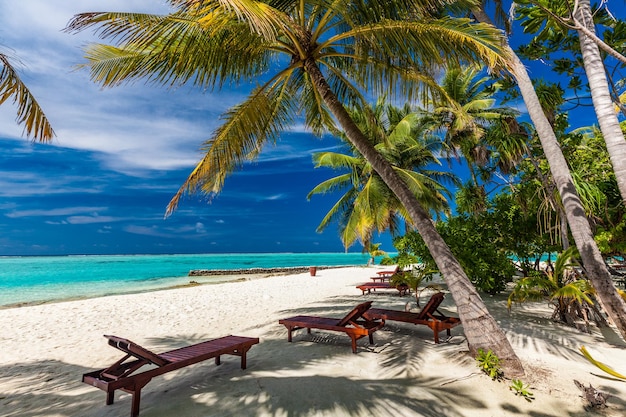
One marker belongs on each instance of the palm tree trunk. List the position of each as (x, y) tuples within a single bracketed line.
[(596, 270), (481, 330), (560, 214), (601, 97)]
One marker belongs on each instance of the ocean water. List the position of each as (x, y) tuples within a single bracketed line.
[(31, 280)]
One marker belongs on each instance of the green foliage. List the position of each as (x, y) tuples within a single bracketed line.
[(387, 261), (414, 278), (292, 52), (489, 363), (29, 113), (568, 292), (476, 241), (521, 389), (373, 249), (366, 203)]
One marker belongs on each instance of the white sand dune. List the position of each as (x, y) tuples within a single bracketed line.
[(45, 349)]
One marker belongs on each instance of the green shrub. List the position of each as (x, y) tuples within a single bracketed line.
[(489, 363)]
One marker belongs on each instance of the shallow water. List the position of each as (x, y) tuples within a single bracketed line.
[(30, 280)]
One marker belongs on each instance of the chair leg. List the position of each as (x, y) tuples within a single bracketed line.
[(110, 397), (289, 329), (243, 358), (371, 339), (353, 344), (134, 410), (135, 392), (218, 360)]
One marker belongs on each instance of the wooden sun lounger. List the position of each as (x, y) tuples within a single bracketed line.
[(437, 322), (381, 278), (385, 275), (121, 375), (351, 324), (369, 286)]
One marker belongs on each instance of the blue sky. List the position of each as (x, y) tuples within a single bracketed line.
[(120, 154)]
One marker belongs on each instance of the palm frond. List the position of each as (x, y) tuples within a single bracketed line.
[(29, 112), (247, 127), (601, 365), (338, 210), (178, 50), (575, 291), (331, 185)]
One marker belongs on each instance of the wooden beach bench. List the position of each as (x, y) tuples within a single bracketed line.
[(381, 278), (369, 286), (427, 316), (122, 374), (351, 324), (385, 275)]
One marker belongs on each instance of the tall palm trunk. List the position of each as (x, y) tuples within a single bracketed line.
[(601, 97), (579, 225), (481, 330)]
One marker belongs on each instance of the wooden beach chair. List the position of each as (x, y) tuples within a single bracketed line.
[(369, 286), (123, 374), (427, 316), (351, 324), (385, 275)]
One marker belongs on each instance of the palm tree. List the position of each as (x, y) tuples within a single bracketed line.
[(570, 294), (373, 250), (557, 18), (368, 205), (601, 96), (313, 56), (466, 114), (29, 112), (488, 137), (595, 267)]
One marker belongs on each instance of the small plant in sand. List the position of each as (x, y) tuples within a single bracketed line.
[(414, 279), (489, 363), (521, 389)]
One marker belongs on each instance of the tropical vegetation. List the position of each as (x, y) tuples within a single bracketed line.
[(314, 58), (533, 189), (367, 206)]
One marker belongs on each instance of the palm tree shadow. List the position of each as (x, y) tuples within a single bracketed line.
[(316, 374)]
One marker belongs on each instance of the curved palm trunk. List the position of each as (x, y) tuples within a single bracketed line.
[(579, 225), (480, 328), (601, 97)]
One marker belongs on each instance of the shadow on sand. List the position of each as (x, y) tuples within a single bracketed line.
[(282, 379)]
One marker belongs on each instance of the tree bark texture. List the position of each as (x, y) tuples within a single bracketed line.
[(595, 267), (481, 329), (601, 97)]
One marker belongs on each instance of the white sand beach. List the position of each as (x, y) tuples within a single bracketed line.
[(45, 349)]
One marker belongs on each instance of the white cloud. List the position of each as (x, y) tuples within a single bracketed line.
[(190, 231), (134, 126), (62, 211), (93, 219), (274, 197), (200, 228)]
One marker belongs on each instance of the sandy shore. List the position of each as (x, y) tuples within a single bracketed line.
[(45, 349)]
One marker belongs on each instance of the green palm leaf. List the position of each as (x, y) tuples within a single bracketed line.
[(29, 112)]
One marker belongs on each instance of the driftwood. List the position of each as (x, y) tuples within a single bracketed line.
[(592, 397)]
